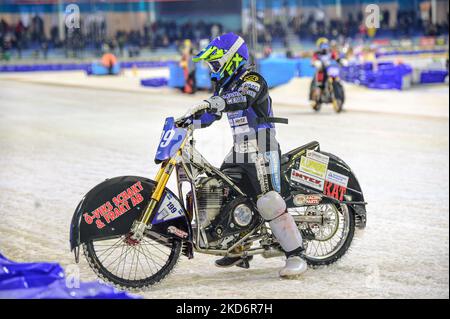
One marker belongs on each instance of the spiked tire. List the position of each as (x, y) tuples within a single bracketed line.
[(341, 251), (107, 275)]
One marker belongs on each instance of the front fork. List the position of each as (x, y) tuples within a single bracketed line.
[(141, 224)]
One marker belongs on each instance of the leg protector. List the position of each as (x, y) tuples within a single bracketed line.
[(271, 205), (273, 209)]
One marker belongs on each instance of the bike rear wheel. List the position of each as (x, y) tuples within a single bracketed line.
[(132, 265), (328, 242)]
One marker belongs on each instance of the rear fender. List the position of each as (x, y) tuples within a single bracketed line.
[(354, 194), (111, 207), (351, 195)]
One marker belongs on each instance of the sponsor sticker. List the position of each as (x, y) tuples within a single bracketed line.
[(317, 156), (313, 167), (237, 100), (334, 190), (307, 179), (240, 121), (337, 178), (303, 200), (232, 115), (274, 162), (116, 207), (249, 93), (169, 209), (177, 232), (231, 95), (251, 78), (251, 85)]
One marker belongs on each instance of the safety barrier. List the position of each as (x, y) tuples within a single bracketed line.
[(39, 67), (48, 281), (410, 52), (278, 71), (44, 67), (305, 67), (176, 77), (99, 69), (385, 75)]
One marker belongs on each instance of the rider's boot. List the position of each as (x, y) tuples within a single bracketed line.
[(295, 264), (242, 262), (272, 208)]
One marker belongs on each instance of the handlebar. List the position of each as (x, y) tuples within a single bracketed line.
[(191, 113)]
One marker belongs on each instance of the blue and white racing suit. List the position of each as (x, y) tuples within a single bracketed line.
[(250, 115)]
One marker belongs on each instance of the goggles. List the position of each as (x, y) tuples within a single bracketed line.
[(214, 66)]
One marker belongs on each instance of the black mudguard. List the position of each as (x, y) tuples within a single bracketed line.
[(352, 196), (111, 207)]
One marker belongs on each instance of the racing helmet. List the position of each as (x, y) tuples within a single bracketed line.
[(322, 44), (224, 55)]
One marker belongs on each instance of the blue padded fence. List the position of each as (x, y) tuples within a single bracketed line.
[(416, 52), (75, 66), (99, 69), (176, 78), (276, 71), (46, 280), (305, 67), (387, 75)]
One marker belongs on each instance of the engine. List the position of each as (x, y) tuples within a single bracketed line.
[(210, 197), (224, 215)]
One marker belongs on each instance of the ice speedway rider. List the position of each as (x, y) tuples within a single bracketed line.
[(324, 54), (243, 95)]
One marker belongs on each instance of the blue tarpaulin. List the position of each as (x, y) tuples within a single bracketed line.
[(45, 280), (100, 69), (154, 82)]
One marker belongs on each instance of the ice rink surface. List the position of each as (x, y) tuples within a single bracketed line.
[(57, 142)]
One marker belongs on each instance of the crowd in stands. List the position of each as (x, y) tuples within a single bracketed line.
[(314, 25), (93, 34)]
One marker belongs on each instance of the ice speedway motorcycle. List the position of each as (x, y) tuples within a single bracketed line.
[(134, 229), (326, 86)]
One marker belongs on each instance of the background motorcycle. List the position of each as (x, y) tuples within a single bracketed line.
[(326, 86), (134, 229)]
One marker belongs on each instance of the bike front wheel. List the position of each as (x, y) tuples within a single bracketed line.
[(132, 265)]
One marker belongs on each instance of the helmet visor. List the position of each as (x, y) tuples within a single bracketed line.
[(214, 66)]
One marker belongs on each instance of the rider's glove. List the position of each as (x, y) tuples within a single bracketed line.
[(199, 107), (216, 104)]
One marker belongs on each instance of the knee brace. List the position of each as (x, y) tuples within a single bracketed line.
[(272, 208), (271, 205)]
